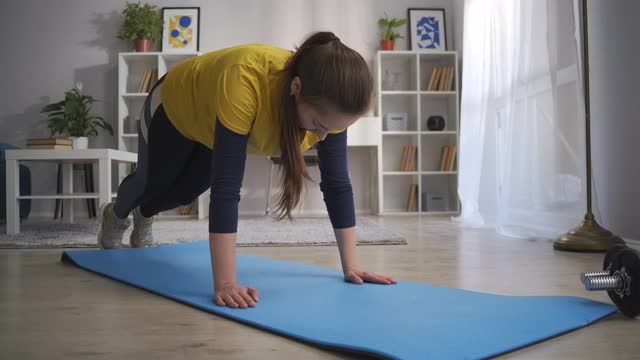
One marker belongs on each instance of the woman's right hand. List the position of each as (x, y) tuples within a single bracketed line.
[(235, 296)]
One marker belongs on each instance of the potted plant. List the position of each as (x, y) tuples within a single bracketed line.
[(72, 115), (142, 24), (388, 36)]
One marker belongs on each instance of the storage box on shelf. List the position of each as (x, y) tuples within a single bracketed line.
[(418, 85), (137, 72)]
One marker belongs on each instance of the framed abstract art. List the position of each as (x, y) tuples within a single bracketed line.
[(181, 29), (427, 29)]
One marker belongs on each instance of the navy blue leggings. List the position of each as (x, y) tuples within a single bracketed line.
[(171, 171)]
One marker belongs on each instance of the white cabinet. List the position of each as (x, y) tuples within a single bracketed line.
[(403, 79), (131, 71)]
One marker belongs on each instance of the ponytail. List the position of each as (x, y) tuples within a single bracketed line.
[(332, 74)]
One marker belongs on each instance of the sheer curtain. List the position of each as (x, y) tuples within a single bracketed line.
[(522, 140)]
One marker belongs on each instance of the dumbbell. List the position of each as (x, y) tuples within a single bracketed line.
[(620, 278)]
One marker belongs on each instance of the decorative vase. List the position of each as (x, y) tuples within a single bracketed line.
[(80, 142), (387, 44), (435, 123), (143, 45)]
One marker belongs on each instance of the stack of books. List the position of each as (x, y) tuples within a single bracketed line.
[(148, 80), (447, 158), (49, 143), (408, 158), (441, 79)]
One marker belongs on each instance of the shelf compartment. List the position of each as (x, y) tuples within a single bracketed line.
[(430, 61), (393, 146), (396, 193), (431, 147), (399, 71), (131, 114), (435, 189), (438, 106), (401, 103), (132, 71)]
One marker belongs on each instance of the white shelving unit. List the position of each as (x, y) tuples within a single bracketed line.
[(131, 68), (405, 91)]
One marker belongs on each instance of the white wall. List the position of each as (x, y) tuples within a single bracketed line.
[(51, 44), (614, 53)]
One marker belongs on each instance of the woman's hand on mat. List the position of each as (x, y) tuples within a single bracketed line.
[(236, 296), (359, 277)]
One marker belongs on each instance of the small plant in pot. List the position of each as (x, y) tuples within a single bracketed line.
[(388, 35), (72, 115), (142, 24)]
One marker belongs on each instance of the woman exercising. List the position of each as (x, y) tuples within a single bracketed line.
[(211, 110)]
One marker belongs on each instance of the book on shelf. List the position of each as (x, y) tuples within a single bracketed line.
[(447, 157), (408, 158), (443, 75), (442, 85), (152, 80), (443, 157), (435, 76), (452, 157), (143, 80), (403, 162), (449, 81), (441, 79), (411, 202), (445, 83), (49, 141), (149, 78), (51, 146), (435, 72), (412, 158), (185, 209)]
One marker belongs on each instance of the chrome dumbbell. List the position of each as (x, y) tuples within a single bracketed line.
[(619, 278)]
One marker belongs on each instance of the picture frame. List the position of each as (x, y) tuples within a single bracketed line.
[(427, 29), (181, 29)]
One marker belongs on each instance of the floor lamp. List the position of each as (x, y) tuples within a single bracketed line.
[(588, 236)]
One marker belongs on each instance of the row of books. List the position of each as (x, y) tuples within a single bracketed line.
[(441, 79), (148, 80), (48, 143), (409, 153), (408, 158), (447, 157)]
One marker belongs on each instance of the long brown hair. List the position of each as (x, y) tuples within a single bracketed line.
[(333, 75)]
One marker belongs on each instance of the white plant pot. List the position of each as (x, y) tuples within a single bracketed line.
[(81, 142)]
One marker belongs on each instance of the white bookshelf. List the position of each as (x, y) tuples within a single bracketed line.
[(408, 94), (131, 68)]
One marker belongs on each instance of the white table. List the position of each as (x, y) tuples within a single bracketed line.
[(103, 157)]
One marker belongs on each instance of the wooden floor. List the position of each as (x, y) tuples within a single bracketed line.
[(50, 310)]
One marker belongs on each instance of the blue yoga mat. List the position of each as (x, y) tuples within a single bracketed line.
[(404, 321)]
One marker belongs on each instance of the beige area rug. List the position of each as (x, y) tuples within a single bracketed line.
[(258, 231)]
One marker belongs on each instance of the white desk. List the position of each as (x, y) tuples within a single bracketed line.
[(103, 157)]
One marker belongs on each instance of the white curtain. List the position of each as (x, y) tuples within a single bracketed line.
[(522, 141)]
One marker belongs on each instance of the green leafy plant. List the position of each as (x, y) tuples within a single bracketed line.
[(141, 21), (72, 115), (388, 25)]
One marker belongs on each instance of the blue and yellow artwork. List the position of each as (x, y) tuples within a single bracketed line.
[(428, 33), (180, 31)]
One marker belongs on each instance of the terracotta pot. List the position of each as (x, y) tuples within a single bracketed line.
[(387, 44), (143, 45)]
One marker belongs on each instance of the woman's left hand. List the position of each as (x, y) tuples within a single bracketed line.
[(359, 277)]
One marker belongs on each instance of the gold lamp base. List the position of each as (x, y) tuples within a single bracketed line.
[(587, 237)]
